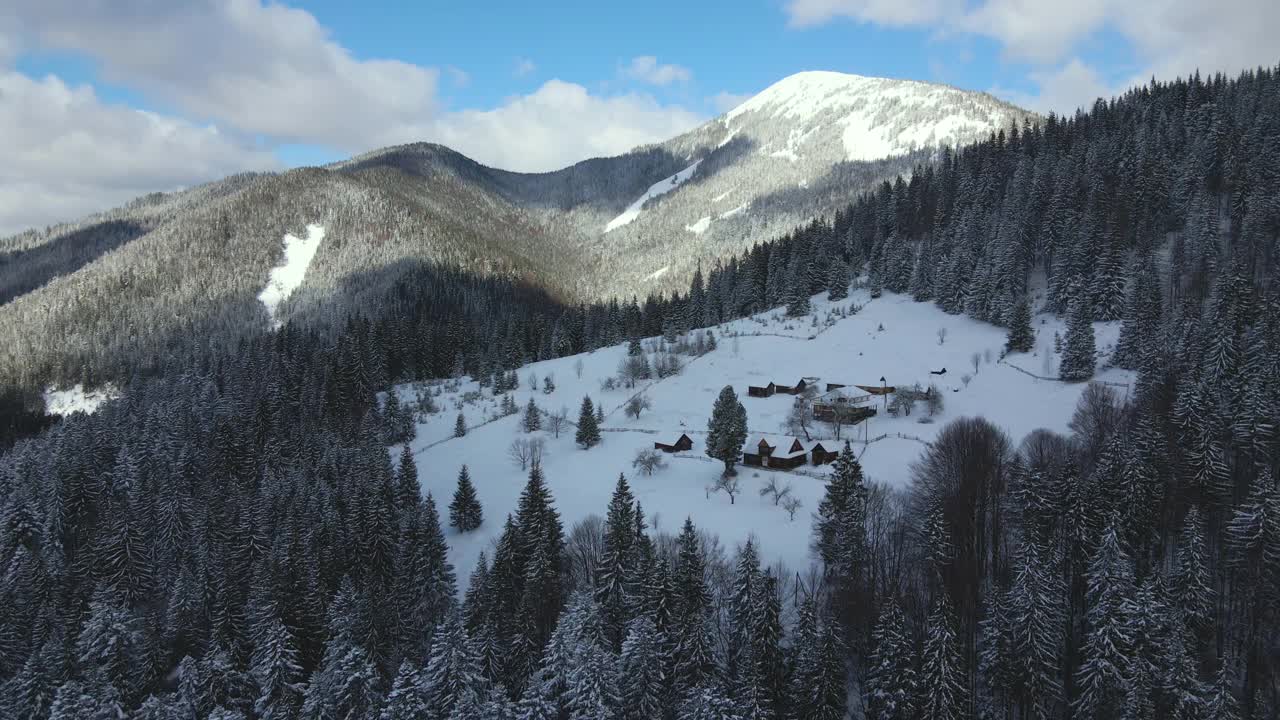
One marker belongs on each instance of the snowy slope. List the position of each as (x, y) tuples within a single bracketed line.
[(751, 351), (661, 187), (288, 275), (76, 399), (798, 149)]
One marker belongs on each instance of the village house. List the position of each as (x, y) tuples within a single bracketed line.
[(761, 392), (682, 443), (762, 454), (845, 404)]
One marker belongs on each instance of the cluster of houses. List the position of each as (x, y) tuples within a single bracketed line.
[(849, 404)]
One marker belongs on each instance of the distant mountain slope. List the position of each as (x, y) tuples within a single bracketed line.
[(172, 264)]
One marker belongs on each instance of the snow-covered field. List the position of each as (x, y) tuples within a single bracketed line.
[(288, 275), (891, 337)]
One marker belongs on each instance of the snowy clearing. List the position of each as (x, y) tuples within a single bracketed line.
[(661, 187), (288, 275), (892, 337), (76, 399)]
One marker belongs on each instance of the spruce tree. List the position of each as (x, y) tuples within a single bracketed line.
[(460, 426), (465, 512), (1078, 347), (614, 570), (643, 684), (943, 679), (891, 687), (1021, 338), (1101, 677), (532, 417), (588, 435), (840, 527), (727, 429), (407, 699)]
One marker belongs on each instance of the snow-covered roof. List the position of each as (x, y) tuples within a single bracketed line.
[(850, 393)]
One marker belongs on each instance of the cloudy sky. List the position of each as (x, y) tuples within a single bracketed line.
[(104, 100)]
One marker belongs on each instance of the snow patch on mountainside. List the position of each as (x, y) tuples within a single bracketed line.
[(288, 275), (76, 399), (658, 273), (661, 187), (701, 226)]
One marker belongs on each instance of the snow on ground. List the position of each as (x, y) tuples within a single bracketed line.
[(76, 399), (288, 275), (658, 273), (734, 211), (700, 226), (891, 336), (661, 187)]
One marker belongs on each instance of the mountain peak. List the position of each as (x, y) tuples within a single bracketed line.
[(878, 117)]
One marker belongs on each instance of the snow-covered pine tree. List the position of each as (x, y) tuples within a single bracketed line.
[(277, 672), (944, 691), (453, 669), (460, 426), (408, 699), (643, 685), (465, 512), (1101, 676), (1078, 347), (1021, 338), (532, 421), (615, 566), (588, 435), (1192, 585), (891, 687), (727, 429), (838, 280), (840, 527)]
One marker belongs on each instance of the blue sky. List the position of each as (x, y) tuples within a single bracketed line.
[(102, 101)]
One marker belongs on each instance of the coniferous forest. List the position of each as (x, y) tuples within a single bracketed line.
[(232, 539)]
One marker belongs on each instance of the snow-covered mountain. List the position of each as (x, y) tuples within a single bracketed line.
[(619, 226), (795, 151)]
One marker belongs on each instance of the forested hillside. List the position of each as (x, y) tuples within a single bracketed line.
[(231, 538)]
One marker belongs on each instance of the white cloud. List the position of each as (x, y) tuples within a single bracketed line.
[(897, 13), (559, 124), (1074, 85), (524, 66), (266, 69), (646, 68), (240, 69), (725, 101), (67, 154), (1168, 38)]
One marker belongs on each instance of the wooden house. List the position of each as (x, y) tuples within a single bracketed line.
[(762, 392), (833, 386), (845, 404), (785, 455), (820, 455), (682, 443)]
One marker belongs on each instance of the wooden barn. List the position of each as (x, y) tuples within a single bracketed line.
[(820, 455), (762, 392), (762, 454), (682, 443), (792, 389), (833, 386)]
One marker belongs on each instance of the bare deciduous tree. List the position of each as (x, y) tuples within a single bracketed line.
[(776, 491), (577, 368), (942, 335), (637, 405), (976, 360), (966, 379), (557, 419), (791, 505), (729, 485), (799, 418), (526, 451), (648, 462)]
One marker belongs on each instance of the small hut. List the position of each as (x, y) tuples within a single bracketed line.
[(796, 389), (821, 455), (682, 443), (757, 454), (795, 455), (761, 392)]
